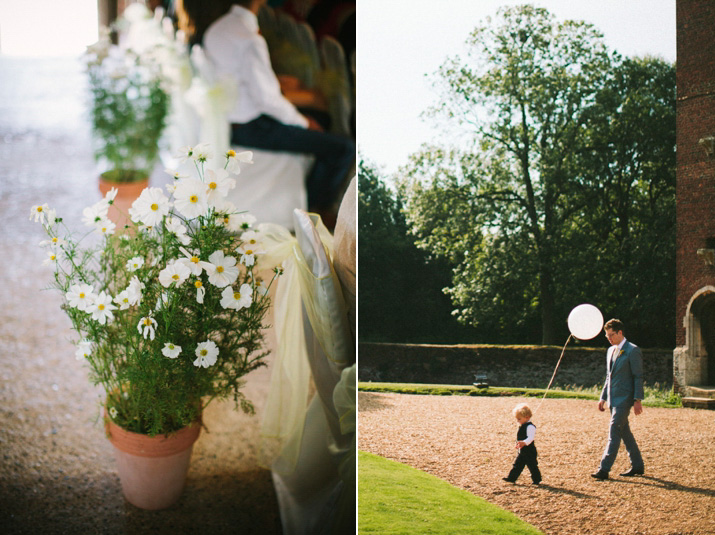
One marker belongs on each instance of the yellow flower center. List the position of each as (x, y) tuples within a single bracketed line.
[(171, 346), (155, 207), (195, 259), (226, 220), (39, 209), (212, 185), (204, 352), (81, 295), (175, 277), (231, 153), (219, 269), (101, 307), (237, 295), (249, 251), (198, 284), (194, 198), (125, 300), (147, 322), (55, 240)]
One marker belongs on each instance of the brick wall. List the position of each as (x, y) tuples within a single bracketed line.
[(516, 366), (695, 169)]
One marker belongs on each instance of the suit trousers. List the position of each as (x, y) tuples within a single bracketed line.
[(527, 457), (334, 155), (619, 431)]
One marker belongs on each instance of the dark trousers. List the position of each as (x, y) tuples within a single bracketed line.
[(334, 155), (527, 457)]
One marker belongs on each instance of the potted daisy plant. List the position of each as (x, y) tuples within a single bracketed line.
[(129, 106), (169, 311)]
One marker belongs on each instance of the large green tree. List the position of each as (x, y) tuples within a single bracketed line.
[(561, 142), (400, 287)]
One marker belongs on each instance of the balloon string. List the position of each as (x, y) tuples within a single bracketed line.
[(554, 374)]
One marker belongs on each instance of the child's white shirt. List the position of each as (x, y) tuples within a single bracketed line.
[(530, 433)]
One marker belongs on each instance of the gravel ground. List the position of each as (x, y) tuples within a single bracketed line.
[(57, 472), (468, 441)]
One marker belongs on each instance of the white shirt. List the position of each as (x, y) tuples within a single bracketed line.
[(235, 48), (616, 352), (530, 434)]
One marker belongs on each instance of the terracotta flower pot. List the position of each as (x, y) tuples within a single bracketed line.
[(152, 469), (127, 193)]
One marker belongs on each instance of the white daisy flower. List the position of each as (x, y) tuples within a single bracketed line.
[(252, 238), (245, 220), (95, 213), (262, 288), (173, 225), (200, 291), (39, 212), (51, 259), (122, 299), (151, 207), (53, 242), (175, 272), (248, 255), (80, 296), (134, 291), (147, 327), (233, 158), (105, 227), (190, 198), (218, 184), (184, 153), (237, 299), (222, 270), (206, 353), (101, 308), (175, 174), (84, 349), (135, 263), (50, 218), (171, 350), (202, 153), (110, 196), (193, 262), (113, 412)]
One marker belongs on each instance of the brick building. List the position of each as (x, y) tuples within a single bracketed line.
[(694, 356)]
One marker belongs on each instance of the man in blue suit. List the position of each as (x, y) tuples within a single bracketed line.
[(623, 389)]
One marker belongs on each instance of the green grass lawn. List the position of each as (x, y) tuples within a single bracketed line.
[(655, 396), (394, 499)]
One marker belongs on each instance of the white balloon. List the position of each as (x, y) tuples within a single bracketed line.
[(585, 322)]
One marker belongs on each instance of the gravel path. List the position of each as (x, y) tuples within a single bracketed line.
[(468, 441)]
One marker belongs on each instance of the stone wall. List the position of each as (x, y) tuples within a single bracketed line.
[(515, 366)]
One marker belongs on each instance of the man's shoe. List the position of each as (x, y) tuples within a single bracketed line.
[(633, 472), (601, 475), (508, 480)]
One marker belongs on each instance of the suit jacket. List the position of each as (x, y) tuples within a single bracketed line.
[(624, 376)]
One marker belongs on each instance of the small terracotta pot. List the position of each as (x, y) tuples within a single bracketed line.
[(152, 469), (127, 193)]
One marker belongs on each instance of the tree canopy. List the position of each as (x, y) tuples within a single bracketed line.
[(561, 188)]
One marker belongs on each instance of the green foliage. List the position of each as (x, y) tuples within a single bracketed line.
[(655, 396), (148, 391), (128, 114), (564, 193), (400, 286), (396, 499)]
